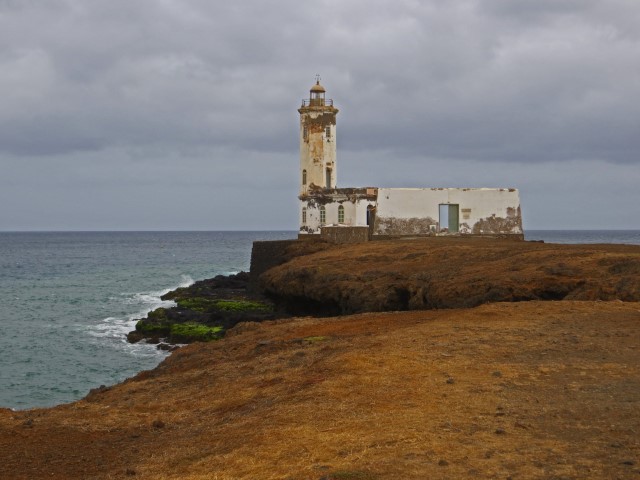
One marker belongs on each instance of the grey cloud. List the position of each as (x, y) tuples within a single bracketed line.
[(449, 76), (208, 83)]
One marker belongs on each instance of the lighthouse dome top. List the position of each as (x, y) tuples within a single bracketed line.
[(317, 97), (317, 88)]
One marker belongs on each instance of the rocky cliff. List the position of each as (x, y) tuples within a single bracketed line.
[(435, 273)]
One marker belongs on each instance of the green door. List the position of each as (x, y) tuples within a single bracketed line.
[(454, 218)]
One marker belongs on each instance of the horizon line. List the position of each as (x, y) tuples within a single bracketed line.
[(283, 230)]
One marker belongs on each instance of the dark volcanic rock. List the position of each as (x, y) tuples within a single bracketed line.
[(204, 311), (221, 286)]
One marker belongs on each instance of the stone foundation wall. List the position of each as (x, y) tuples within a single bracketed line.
[(266, 255), (345, 234)]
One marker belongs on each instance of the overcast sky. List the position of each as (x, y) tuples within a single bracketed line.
[(182, 114)]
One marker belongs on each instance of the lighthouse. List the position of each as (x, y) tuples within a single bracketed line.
[(345, 215), (317, 141)]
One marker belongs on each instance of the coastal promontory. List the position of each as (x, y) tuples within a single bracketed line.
[(440, 359), (446, 272)]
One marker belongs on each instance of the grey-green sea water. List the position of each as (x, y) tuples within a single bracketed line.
[(67, 301)]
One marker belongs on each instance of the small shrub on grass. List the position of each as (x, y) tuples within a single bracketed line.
[(316, 339)]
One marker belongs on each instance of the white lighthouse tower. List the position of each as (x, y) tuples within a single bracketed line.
[(317, 141)]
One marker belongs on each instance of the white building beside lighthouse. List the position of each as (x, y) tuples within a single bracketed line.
[(387, 212)]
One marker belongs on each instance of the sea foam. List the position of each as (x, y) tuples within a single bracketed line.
[(117, 327)]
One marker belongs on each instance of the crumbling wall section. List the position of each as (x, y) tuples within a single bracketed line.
[(415, 211), (406, 226), (318, 146), (354, 202), (512, 223)]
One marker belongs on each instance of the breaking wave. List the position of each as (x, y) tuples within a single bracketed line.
[(140, 304)]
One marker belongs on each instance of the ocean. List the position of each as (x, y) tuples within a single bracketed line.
[(67, 300)]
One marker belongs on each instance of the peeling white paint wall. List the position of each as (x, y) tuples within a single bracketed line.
[(355, 211), (317, 153), (317, 141), (481, 210), (416, 211)]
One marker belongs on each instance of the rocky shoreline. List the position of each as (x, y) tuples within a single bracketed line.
[(204, 311), (321, 279), (207, 309)]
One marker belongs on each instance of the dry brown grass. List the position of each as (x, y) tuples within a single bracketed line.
[(454, 273), (532, 390)]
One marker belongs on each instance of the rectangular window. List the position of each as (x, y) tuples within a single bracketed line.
[(304, 216), (323, 216), (327, 132)]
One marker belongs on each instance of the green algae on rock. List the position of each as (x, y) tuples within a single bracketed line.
[(203, 312)]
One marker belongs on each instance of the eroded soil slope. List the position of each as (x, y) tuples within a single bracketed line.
[(451, 273), (520, 390)]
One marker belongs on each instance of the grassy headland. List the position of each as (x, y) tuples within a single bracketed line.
[(523, 389)]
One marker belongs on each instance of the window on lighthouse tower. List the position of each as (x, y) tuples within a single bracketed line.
[(304, 177)]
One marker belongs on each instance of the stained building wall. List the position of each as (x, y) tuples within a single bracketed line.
[(318, 147), (354, 202), (343, 234), (416, 211)]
